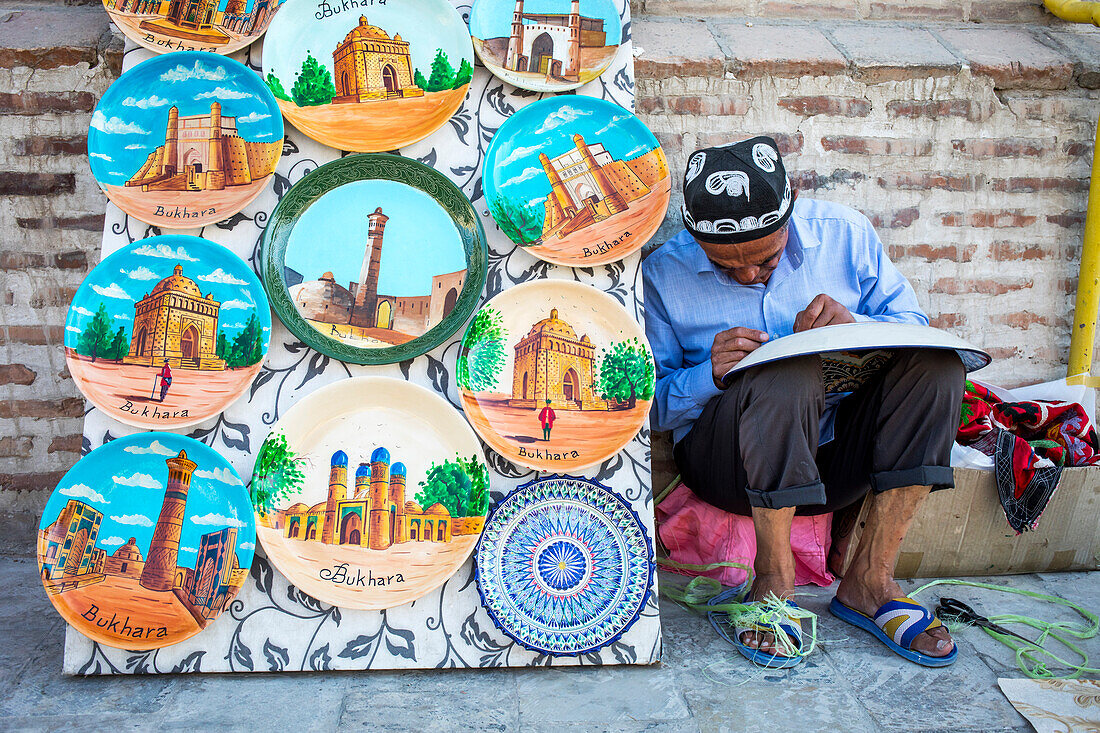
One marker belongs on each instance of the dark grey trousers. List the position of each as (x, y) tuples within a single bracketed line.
[(756, 444)]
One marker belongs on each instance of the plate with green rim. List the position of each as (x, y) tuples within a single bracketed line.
[(374, 259)]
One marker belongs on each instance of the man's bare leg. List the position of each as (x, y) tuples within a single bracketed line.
[(773, 567), (869, 580)]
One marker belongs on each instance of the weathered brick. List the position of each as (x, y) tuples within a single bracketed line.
[(52, 297), (932, 252), (780, 50), (853, 145), (910, 11), (47, 481), (814, 181), (83, 222), (1014, 59), (827, 105), (36, 103), (715, 104), (1022, 319), (1016, 251), (671, 142), (66, 444), (36, 184), (16, 374), (676, 48), (1015, 147), (987, 219), (1002, 352), (49, 38), (929, 181), (15, 447), (1076, 149), (1034, 184), (939, 108), (73, 260), (787, 143), (948, 320), (891, 53), (33, 335), (1068, 219), (68, 407), (898, 219), (37, 145), (983, 286)]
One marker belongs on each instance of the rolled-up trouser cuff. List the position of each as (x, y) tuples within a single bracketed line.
[(790, 496), (938, 477)]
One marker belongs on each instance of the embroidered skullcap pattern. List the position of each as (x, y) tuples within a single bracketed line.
[(695, 164), (764, 156)]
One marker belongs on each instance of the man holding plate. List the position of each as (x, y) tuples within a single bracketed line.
[(753, 264)]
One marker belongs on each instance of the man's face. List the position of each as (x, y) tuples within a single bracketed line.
[(749, 263)]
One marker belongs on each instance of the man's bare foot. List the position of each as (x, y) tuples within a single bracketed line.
[(762, 585), (869, 597)]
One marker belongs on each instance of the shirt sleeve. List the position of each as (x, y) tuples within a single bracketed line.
[(885, 294), (682, 391)]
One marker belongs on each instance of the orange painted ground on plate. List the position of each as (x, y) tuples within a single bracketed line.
[(424, 566), (642, 219), (202, 394), (125, 598), (366, 338), (131, 26), (143, 205), (593, 63), (596, 435), (375, 127)]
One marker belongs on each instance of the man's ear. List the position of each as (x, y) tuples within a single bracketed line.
[(794, 192)]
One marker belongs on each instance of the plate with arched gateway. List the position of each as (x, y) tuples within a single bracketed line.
[(220, 26), (555, 375), (368, 76), (185, 139), (374, 259), (370, 492)]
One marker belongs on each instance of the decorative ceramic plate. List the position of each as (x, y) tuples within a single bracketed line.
[(221, 26), (167, 331), (851, 351), (374, 259), (146, 540), (368, 76), (185, 139), (545, 45), (370, 492), (564, 566), (555, 375), (576, 180)]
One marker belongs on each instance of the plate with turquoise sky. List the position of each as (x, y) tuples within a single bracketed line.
[(374, 259), (167, 332), (185, 139), (545, 45), (576, 181), (368, 77), (146, 541), (219, 26)]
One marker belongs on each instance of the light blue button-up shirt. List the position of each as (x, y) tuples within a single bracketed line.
[(831, 249)]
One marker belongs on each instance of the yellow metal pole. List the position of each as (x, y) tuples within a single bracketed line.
[(1075, 11), (1088, 283)]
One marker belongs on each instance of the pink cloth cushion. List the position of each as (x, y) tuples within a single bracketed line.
[(697, 533)]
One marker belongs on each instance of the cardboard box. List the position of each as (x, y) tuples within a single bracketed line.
[(964, 532)]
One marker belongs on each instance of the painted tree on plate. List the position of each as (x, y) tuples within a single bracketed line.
[(95, 339), (246, 348), (464, 74), (481, 358), (461, 485), (278, 474), (276, 87), (313, 85), (120, 345), (626, 373), (520, 222)]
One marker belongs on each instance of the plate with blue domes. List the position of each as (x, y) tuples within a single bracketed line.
[(564, 566), (370, 493)]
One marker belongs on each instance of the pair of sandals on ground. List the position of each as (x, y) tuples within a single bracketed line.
[(897, 624)]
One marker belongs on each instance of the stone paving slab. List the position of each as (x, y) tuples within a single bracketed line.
[(851, 684)]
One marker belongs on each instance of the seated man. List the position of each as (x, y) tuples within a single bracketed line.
[(755, 264)]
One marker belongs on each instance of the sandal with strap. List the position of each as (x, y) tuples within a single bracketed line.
[(792, 628), (897, 624)]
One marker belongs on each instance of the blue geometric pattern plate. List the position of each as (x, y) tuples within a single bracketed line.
[(564, 565)]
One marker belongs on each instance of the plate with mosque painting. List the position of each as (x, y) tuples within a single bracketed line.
[(374, 259), (368, 76), (576, 181), (555, 375), (545, 45), (219, 26), (370, 492), (146, 541), (167, 332), (185, 139)]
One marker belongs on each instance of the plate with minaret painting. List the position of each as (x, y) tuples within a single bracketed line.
[(370, 492), (185, 139), (545, 45), (367, 76), (374, 259), (218, 26), (576, 181), (555, 375), (146, 541), (167, 332)]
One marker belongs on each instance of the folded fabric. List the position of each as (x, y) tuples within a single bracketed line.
[(696, 533)]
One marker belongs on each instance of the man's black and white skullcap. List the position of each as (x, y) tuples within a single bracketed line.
[(737, 192)]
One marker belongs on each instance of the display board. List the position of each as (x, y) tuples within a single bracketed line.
[(271, 625)]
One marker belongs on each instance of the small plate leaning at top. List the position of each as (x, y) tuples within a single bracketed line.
[(219, 26)]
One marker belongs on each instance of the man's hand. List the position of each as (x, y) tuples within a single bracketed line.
[(822, 311), (730, 347)]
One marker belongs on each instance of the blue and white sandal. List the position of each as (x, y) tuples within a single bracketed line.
[(896, 625), (793, 629)]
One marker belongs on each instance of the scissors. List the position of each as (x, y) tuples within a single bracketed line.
[(956, 610)]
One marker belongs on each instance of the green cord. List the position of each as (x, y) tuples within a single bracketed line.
[(1029, 656)]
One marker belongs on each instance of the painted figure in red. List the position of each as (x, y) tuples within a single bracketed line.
[(546, 417), (165, 379)]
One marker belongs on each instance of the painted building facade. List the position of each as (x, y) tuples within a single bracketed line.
[(127, 561), (160, 565), (175, 321), (217, 573), (368, 66), (67, 548), (551, 43), (552, 363)]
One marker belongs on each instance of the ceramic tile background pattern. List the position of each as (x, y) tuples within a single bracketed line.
[(271, 626)]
